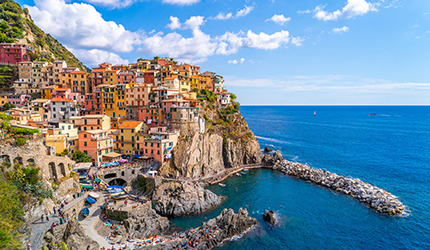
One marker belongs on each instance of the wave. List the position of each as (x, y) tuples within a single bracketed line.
[(271, 139)]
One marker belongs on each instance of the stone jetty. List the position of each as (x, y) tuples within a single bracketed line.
[(375, 197)]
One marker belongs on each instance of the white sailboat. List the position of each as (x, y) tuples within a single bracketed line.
[(315, 113)]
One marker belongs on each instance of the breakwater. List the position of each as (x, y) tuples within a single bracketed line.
[(376, 198)]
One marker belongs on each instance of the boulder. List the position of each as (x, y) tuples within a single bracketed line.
[(183, 198), (269, 216), (268, 150), (144, 221)]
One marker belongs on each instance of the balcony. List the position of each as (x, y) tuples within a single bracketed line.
[(95, 138)]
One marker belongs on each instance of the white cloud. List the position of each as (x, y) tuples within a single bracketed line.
[(95, 56), (352, 8), (80, 26), (279, 19), (175, 23), (113, 3), (341, 30), (222, 16), (233, 61), (242, 60), (245, 11), (297, 41), (240, 13), (181, 2), (192, 23)]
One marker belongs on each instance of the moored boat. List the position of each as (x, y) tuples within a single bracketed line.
[(222, 185), (237, 174)]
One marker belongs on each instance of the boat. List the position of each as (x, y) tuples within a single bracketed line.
[(122, 195), (88, 187), (85, 211), (91, 200), (243, 172), (237, 174), (222, 185), (315, 113), (94, 195)]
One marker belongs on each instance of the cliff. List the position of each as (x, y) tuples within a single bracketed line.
[(227, 142), (16, 26)]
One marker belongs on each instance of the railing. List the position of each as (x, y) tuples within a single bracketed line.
[(94, 138)]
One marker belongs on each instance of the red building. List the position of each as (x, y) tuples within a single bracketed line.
[(14, 53)]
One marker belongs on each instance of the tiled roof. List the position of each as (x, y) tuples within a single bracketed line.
[(60, 100), (130, 124)]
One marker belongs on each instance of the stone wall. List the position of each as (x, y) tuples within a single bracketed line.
[(34, 152), (127, 174)]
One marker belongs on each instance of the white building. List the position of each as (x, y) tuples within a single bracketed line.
[(62, 109)]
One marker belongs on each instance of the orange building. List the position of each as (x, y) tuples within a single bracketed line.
[(96, 144)]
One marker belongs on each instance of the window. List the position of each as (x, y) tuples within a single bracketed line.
[(85, 143), (158, 152), (85, 135)]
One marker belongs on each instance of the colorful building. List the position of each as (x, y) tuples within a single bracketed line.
[(13, 54), (96, 144), (126, 139)]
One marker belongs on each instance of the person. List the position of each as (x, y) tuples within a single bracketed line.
[(53, 225), (29, 247), (41, 218), (55, 212), (125, 202), (47, 218)]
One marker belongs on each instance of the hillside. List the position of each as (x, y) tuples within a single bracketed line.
[(17, 26)]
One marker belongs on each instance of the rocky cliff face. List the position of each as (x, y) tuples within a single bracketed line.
[(145, 221), (227, 142), (70, 234), (183, 198)]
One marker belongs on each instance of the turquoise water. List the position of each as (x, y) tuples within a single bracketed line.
[(390, 150)]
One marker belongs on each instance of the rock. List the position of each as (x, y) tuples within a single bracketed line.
[(228, 223), (144, 221), (183, 198), (268, 150), (72, 234), (269, 216)]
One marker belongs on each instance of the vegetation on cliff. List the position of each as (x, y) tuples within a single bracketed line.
[(17, 26), (11, 213), (8, 74)]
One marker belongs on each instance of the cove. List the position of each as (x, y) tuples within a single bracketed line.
[(320, 217)]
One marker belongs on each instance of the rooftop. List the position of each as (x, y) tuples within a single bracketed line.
[(130, 124), (61, 100)]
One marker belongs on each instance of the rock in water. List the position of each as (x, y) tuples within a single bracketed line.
[(183, 198), (269, 216), (268, 150)]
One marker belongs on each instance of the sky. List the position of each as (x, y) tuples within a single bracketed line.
[(283, 52)]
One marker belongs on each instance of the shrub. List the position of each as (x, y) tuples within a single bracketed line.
[(21, 141), (64, 246)]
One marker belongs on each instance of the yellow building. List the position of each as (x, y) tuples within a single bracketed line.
[(108, 99), (126, 137), (76, 80), (111, 77), (120, 107), (3, 99), (143, 64), (184, 86), (72, 136), (56, 140), (46, 92)]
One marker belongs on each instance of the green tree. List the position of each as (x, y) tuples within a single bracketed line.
[(8, 106), (79, 156)]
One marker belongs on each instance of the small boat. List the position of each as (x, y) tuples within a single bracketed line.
[(243, 172), (237, 174), (94, 195), (88, 187), (315, 113), (91, 200), (85, 211), (222, 185), (373, 114), (118, 196)]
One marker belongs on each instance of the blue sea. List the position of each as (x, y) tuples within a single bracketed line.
[(390, 150)]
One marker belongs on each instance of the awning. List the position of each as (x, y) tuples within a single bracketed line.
[(112, 155), (137, 156), (83, 166)]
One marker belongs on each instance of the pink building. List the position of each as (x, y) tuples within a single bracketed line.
[(158, 145), (18, 100), (14, 53), (126, 77)]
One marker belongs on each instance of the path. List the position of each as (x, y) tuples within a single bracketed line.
[(38, 229), (90, 222)]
